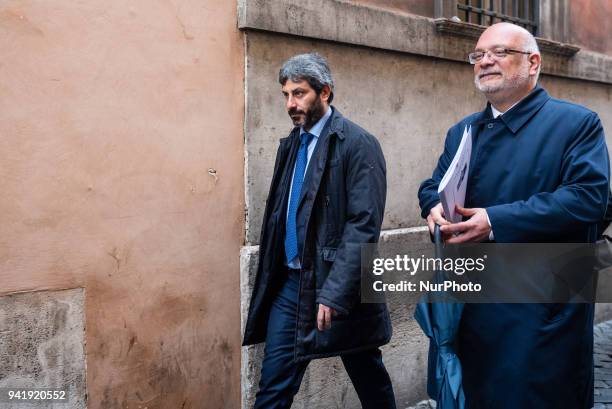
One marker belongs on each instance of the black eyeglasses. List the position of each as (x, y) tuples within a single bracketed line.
[(495, 53)]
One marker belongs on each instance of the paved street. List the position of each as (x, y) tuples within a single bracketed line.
[(603, 365), (603, 369)]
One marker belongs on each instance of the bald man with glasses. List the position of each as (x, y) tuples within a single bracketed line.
[(539, 172)]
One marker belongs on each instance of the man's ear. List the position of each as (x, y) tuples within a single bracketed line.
[(325, 92), (535, 60)]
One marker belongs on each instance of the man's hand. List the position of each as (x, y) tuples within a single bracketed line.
[(473, 230), (324, 317), (436, 216)]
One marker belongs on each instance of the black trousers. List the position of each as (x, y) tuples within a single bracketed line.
[(281, 375)]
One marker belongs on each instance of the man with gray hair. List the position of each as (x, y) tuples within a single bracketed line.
[(539, 172), (326, 199)]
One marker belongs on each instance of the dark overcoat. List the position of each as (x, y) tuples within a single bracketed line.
[(341, 207), (541, 170)]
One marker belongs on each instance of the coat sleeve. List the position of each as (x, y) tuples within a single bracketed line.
[(581, 198), (366, 189), (428, 191)]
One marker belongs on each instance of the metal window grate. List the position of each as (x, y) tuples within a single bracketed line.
[(487, 12)]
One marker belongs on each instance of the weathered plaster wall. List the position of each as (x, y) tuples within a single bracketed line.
[(419, 7), (384, 28), (111, 115), (42, 345), (590, 24)]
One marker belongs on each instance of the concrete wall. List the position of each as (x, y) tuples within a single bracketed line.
[(42, 345), (408, 101), (409, 109), (122, 173), (401, 99), (588, 24), (419, 7)]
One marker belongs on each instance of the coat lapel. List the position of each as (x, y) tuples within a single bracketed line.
[(314, 173), (286, 171)]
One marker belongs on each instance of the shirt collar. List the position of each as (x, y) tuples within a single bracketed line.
[(497, 113), (318, 127), (521, 112)]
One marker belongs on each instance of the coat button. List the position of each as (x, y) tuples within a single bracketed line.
[(490, 126)]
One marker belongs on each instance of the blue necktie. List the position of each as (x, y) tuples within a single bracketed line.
[(291, 241)]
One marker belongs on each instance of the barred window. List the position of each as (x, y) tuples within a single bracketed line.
[(488, 12)]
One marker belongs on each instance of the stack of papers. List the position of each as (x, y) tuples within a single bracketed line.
[(453, 185)]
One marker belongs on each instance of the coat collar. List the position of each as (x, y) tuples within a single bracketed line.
[(319, 156), (522, 112), (336, 123)]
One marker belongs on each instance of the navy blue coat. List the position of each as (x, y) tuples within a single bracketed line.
[(542, 172), (341, 207)]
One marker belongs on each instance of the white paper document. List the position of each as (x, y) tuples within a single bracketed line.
[(453, 185)]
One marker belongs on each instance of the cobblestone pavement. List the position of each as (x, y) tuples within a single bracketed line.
[(603, 369), (603, 365)]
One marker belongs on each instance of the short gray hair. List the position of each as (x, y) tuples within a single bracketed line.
[(531, 45), (312, 68)]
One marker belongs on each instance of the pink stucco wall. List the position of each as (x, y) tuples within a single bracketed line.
[(111, 115), (590, 25)]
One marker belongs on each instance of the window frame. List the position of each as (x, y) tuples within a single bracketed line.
[(551, 17)]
